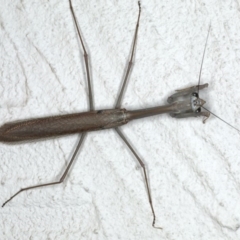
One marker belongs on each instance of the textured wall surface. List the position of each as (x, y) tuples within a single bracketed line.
[(194, 168)]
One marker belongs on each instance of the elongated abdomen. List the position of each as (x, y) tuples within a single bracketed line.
[(61, 125)]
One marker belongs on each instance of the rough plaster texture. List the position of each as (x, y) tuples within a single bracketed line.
[(194, 169)]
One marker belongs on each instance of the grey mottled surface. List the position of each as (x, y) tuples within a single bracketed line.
[(194, 169)]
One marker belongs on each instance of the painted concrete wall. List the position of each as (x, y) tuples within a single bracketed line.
[(194, 168)]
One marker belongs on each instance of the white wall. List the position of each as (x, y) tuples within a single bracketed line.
[(194, 169)]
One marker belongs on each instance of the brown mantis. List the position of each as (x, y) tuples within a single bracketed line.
[(90, 104)]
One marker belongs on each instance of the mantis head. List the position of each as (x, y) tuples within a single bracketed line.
[(186, 103)]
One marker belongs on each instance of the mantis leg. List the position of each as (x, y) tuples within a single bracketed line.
[(52, 183), (130, 63), (86, 58), (144, 172)]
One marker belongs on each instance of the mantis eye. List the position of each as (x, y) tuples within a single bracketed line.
[(194, 94)]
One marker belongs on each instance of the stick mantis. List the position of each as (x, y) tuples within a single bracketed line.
[(91, 107)]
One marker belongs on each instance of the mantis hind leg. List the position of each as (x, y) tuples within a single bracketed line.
[(130, 63), (56, 182)]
